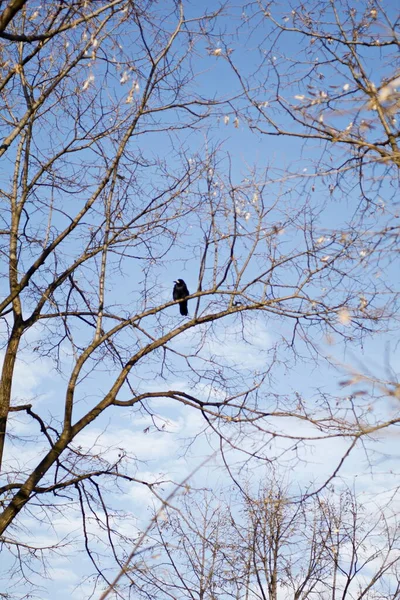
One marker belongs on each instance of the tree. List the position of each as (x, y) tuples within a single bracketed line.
[(328, 74), (110, 193), (332, 75), (266, 546)]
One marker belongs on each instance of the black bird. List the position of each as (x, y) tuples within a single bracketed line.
[(180, 292)]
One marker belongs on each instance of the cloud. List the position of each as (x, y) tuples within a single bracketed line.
[(239, 342), (64, 575), (244, 348), (32, 375), (143, 446)]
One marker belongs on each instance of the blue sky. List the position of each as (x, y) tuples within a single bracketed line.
[(155, 438)]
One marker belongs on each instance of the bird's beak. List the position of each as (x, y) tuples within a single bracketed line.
[(175, 282)]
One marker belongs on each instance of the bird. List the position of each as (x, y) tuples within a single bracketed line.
[(179, 293)]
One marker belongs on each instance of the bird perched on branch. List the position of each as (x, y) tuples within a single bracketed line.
[(180, 292)]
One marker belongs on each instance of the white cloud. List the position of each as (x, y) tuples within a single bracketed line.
[(64, 575), (30, 375), (144, 446), (243, 344)]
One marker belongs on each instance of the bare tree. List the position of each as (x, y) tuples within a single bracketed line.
[(327, 76), (187, 556), (332, 73), (268, 547), (107, 194)]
